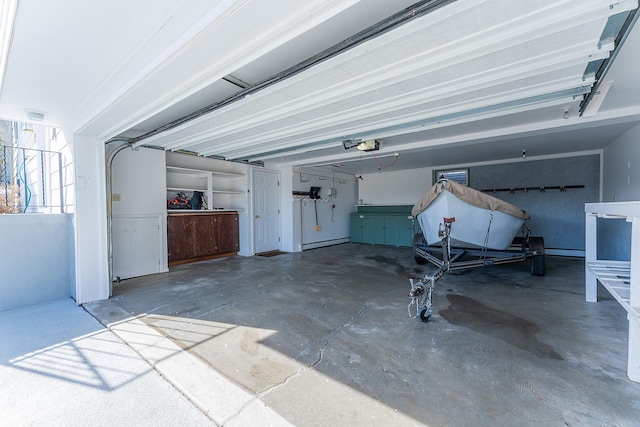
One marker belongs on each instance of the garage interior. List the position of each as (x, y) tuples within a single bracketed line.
[(267, 300)]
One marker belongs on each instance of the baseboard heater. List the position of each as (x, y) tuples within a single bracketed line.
[(324, 243)]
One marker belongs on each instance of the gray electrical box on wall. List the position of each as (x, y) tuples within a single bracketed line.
[(331, 192)]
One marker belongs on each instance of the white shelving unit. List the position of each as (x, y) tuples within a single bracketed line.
[(620, 278), (219, 188)]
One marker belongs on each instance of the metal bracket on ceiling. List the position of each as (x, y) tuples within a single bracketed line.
[(617, 29)]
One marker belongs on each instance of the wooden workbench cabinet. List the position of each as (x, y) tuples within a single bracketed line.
[(201, 235)]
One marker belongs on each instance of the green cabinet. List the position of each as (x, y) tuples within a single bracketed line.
[(379, 226)]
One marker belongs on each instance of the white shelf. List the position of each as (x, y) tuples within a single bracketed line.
[(186, 172), (201, 211), (200, 173), (615, 276), (227, 192), (186, 190), (620, 278), (614, 209)]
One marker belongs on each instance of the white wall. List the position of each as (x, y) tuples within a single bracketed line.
[(299, 213), (36, 259), (92, 271), (138, 176), (59, 143), (621, 168), (620, 183), (290, 236), (403, 187)]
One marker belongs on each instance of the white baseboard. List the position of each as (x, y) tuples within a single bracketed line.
[(565, 252), (324, 243)]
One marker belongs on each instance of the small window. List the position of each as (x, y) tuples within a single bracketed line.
[(461, 176)]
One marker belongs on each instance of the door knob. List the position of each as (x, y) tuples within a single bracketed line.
[(257, 216)]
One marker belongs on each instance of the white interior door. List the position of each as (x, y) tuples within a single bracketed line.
[(266, 212)]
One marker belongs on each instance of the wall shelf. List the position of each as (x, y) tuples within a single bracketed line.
[(201, 173), (218, 187), (185, 190), (620, 278), (541, 189)]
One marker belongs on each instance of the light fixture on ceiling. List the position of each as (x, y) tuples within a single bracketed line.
[(565, 114), (34, 116), (524, 153)]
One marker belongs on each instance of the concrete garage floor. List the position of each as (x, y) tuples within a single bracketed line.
[(323, 338)]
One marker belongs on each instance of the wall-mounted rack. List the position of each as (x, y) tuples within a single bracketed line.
[(302, 198), (527, 189)]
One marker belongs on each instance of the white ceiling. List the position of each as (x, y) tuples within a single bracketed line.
[(461, 82)]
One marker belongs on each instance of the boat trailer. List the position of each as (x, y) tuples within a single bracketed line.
[(451, 259)]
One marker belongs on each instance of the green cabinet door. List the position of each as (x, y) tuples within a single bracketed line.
[(355, 225), (407, 231), (392, 226), (369, 229)]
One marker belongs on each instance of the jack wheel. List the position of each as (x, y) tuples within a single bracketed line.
[(424, 316)]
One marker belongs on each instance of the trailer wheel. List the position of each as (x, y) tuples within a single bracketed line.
[(537, 261), (418, 239), (537, 265), (424, 316)]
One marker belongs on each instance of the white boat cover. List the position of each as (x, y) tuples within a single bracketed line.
[(468, 195)]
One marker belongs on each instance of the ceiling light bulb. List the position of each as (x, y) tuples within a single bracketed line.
[(566, 113)]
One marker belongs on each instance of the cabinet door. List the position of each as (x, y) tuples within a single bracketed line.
[(179, 237), (381, 231), (228, 233), (205, 239), (407, 232), (146, 244), (369, 233), (121, 247), (391, 228), (355, 225)]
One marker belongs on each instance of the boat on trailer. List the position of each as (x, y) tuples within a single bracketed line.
[(482, 221), (473, 229)]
